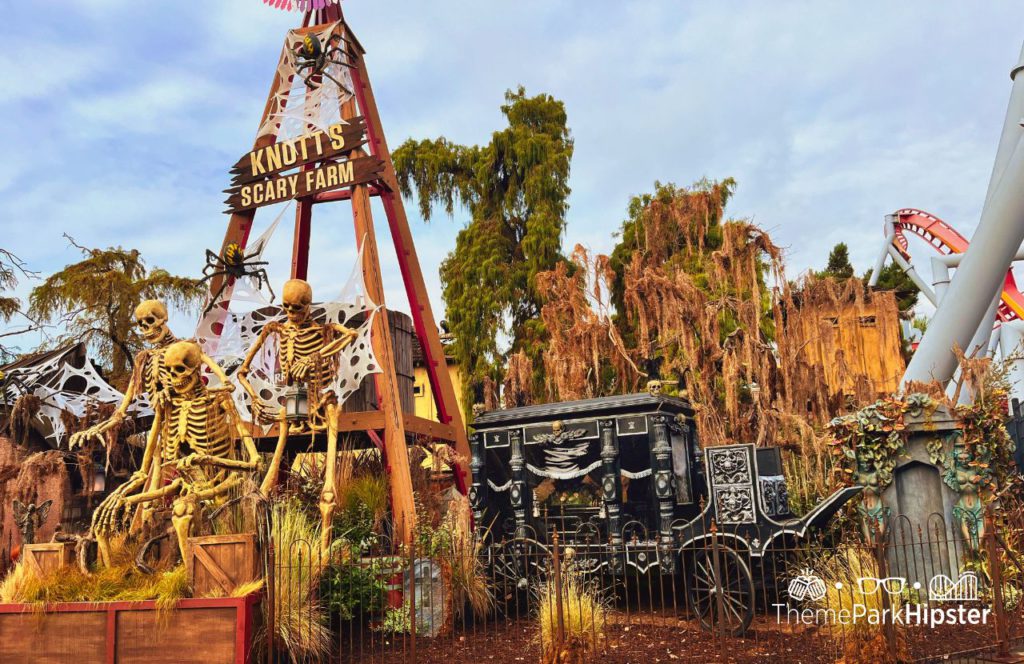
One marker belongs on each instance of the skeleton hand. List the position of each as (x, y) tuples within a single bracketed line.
[(95, 432), (195, 459), (259, 412), (303, 367), (82, 438), (161, 398), (111, 515)]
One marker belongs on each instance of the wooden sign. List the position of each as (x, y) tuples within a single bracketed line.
[(267, 161), (332, 175)]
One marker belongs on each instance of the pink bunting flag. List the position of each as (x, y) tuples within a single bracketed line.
[(299, 5)]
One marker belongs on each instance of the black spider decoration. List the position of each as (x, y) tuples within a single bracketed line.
[(314, 57), (235, 264)]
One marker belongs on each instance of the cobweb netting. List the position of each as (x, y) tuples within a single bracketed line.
[(298, 109), (61, 386), (226, 336), (247, 289)]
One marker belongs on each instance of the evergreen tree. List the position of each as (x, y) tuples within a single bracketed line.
[(516, 190), (839, 266), (892, 277), (95, 300)]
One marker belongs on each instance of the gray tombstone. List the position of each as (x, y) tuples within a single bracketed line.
[(924, 536)]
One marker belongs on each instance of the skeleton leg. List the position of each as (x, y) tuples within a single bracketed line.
[(270, 479), (186, 508), (183, 511), (329, 497)]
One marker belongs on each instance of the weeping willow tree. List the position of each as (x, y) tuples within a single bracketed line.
[(691, 296), (11, 268), (691, 293), (585, 356), (515, 189), (95, 299)]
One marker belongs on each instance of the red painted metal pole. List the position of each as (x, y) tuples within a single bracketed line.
[(300, 243)]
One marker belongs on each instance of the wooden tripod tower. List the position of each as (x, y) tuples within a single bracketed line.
[(388, 420)]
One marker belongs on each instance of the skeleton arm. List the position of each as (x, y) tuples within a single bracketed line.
[(152, 440), (243, 371), (96, 431), (155, 494), (218, 372), (347, 336), (110, 512)]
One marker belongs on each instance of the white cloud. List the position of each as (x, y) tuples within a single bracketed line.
[(828, 115)]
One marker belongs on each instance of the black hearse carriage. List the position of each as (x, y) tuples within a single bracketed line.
[(626, 485)]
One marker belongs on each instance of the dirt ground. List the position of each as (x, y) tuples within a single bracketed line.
[(656, 641)]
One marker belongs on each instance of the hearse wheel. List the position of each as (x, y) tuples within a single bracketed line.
[(518, 567), (731, 610)]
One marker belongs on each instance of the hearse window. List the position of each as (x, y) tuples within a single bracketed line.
[(681, 469)]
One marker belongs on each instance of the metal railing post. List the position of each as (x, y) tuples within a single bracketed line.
[(412, 601), (995, 567), (557, 565), (888, 628)]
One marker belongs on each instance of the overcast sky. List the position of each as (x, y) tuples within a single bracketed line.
[(122, 118)]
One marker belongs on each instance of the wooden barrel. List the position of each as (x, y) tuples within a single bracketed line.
[(402, 333)]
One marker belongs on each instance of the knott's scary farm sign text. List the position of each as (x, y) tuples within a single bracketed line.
[(262, 176)]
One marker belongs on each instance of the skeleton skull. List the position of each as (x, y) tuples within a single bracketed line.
[(296, 299), (182, 361), (151, 318)]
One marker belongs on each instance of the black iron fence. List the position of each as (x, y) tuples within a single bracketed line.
[(898, 592)]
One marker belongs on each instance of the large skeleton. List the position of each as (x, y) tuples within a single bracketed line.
[(190, 457), (307, 358), (150, 374)]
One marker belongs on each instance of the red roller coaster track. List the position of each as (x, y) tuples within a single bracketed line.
[(946, 240)]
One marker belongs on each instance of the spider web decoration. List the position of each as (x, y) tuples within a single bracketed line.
[(299, 110), (248, 289), (229, 342), (299, 5), (61, 387)]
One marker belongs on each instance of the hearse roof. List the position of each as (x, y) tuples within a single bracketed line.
[(625, 404)]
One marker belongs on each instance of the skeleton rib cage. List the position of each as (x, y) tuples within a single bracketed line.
[(199, 425)]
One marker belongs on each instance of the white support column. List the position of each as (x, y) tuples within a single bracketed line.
[(999, 235)]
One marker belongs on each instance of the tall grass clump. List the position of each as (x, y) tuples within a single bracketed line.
[(584, 614), (841, 572), (121, 581), (463, 563), (300, 619)]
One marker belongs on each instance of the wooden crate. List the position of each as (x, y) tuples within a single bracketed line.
[(217, 564), (196, 631), (44, 558)]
